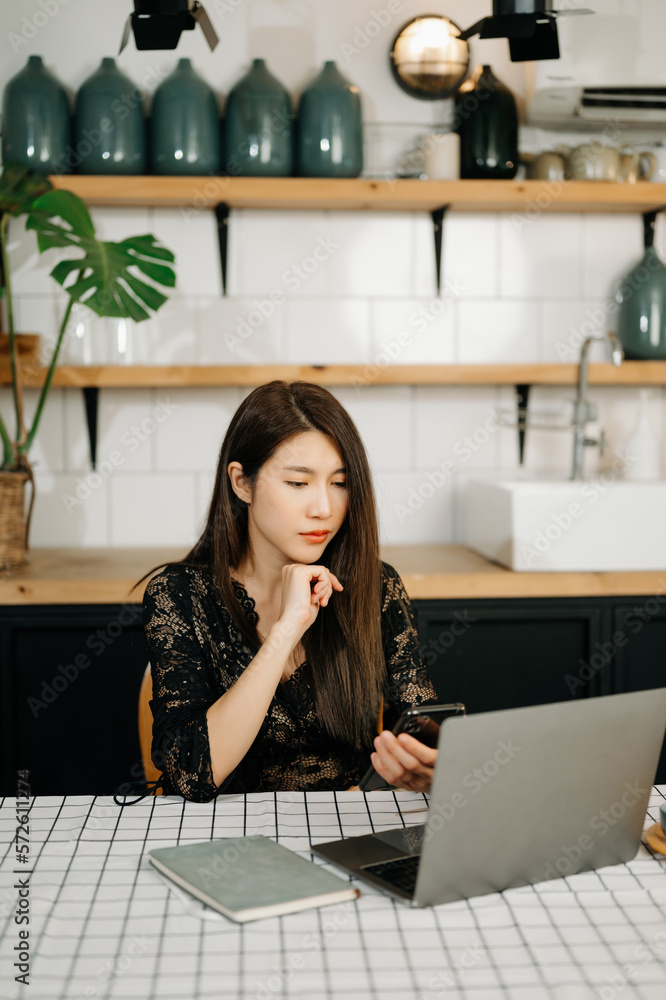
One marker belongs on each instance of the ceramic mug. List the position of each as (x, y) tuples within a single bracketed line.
[(441, 156), (549, 166), (595, 162), (636, 166), (658, 154)]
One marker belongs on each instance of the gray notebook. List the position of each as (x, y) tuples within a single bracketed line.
[(247, 878)]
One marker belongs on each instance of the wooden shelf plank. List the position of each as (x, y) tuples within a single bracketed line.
[(528, 197), (165, 376), (429, 572)]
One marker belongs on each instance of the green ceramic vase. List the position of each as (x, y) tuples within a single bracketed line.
[(487, 123), (110, 129), (641, 320), (185, 133), (36, 124), (258, 126), (330, 127)]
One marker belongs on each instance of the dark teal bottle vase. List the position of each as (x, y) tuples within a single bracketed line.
[(258, 126), (330, 127), (110, 130), (487, 123), (185, 133), (36, 122), (641, 320)]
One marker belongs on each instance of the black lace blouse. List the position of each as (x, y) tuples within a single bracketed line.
[(197, 653)]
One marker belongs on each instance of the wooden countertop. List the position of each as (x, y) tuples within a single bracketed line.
[(106, 576)]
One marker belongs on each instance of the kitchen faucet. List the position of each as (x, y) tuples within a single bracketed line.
[(584, 411)]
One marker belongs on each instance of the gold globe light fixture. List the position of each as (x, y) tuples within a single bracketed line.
[(428, 58)]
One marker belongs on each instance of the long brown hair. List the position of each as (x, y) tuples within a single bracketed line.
[(344, 645)]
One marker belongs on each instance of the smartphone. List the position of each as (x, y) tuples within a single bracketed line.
[(422, 723)]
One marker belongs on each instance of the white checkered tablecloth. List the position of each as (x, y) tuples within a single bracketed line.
[(104, 923)]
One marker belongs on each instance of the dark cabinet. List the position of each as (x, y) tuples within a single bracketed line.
[(70, 675), (69, 686), (494, 654), (505, 654), (637, 649)]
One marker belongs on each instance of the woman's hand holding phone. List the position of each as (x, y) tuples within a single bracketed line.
[(404, 761), (304, 589)]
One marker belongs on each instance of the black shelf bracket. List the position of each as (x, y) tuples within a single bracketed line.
[(437, 216), (649, 219), (91, 399), (222, 217), (522, 399)]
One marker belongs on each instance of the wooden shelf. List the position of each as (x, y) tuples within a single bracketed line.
[(165, 376), (429, 572), (366, 193)]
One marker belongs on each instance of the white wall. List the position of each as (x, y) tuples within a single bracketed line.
[(514, 290)]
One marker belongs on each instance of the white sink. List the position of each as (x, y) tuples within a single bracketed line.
[(545, 526)]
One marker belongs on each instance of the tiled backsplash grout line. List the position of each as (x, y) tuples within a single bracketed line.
[(474, 321)]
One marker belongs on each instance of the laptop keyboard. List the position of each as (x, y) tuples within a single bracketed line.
[(401, 873)]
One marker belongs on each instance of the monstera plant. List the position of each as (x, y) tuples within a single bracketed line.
[(109, 278)]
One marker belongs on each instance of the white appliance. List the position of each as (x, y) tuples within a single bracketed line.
[(611, 68)]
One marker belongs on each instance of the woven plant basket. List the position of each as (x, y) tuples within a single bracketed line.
[(14, 524)]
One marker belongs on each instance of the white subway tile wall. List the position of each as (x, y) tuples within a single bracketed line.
[(329, 288), (540, 256), (153, 509), (498, 331)]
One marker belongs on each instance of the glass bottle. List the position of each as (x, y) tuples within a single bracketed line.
[(110, 131), (36, 124), (487, 123), (258, 126), (641, 319), (330, 127), (185, 134)]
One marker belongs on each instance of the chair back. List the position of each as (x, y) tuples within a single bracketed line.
[(146, 728)]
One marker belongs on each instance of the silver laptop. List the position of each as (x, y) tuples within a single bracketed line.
[(521, 796)]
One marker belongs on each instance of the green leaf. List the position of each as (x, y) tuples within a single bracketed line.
[(20, 187), (134, 310), (62, 271), (158, 272), (68, 207), (140, 243), (150, 295), (101, 275)]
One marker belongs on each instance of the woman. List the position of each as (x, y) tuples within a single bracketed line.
[(279, 640)]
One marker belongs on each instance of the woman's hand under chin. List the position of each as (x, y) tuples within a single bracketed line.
[(404, 761)]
